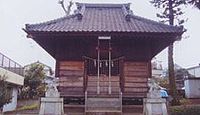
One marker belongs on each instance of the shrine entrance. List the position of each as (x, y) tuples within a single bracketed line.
[(103, 72)]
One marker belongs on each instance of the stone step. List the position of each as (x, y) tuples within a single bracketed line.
[(104, 109), (103, 104), (99, 100), (80, 110), (103, 95), (103, 113)]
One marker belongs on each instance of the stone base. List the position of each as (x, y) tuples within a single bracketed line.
[(51, 106), (154, 106)]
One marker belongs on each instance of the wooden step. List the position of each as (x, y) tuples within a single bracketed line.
[(103, 78), (103, 89), (103, 83)]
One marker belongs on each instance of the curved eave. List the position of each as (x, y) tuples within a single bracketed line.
[(32, 34)]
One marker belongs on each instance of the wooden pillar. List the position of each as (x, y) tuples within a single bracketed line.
[(98, 68), (57, 68), (85, 79), (57, 71), (109, 71), (121, 70), (150, 69)]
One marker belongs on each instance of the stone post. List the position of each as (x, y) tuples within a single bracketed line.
[(51, 104), (154, 104)]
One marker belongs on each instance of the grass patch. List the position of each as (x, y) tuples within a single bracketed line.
[(28, 107)]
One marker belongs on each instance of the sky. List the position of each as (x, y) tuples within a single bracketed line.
[(14, 14)]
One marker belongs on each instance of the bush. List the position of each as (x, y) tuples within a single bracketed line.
[(185, 101), (185, 110), (5, 94), (33, 82)]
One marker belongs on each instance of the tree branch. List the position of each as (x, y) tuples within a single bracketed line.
[(68, 10)]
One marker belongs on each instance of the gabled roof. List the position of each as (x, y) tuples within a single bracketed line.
[(103, 18)]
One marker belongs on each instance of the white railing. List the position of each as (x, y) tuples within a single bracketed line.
[(11, 65)]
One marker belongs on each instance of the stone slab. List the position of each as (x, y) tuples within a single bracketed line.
[(156, 100), (155, 106), (50, 99), (51, 106)]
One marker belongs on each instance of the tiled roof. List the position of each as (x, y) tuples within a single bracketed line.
[(102, 18)]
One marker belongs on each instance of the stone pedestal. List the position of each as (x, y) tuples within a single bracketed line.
[(154, 106), (51, 106)]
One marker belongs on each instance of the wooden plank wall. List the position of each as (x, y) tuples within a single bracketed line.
[(135, 79), (71, 78)]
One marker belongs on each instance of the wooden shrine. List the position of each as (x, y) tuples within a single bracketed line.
[(103, 50)]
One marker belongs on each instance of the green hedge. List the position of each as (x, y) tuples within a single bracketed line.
[(185, 110)]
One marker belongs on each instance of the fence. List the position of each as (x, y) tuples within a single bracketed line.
[(10, 65)]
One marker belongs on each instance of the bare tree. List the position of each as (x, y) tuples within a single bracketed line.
[(68, 10)]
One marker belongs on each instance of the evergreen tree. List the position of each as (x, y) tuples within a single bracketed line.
[(33, 81), (171, 12), (195, 3)]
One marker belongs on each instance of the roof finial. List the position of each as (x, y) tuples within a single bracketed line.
[(80, 12), (127, 13)]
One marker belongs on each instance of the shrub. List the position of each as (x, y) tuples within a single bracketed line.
[(5, 95), (185, 110)]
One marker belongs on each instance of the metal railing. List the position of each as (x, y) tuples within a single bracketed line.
[(11, 65)]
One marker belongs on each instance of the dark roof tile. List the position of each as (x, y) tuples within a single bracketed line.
[(103, 18)]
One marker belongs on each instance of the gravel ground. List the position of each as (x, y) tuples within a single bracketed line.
[(128, 110)]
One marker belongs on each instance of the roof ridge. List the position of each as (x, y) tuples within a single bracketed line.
[(82, 6), (103, 5)]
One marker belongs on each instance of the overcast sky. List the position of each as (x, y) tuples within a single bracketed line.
[(14, 14)]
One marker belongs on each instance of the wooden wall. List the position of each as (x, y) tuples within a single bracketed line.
[(135, 78), (134, 81), (71, 78), (133, 50)]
